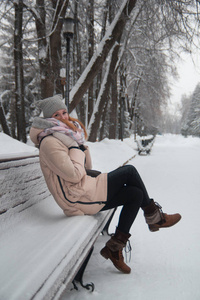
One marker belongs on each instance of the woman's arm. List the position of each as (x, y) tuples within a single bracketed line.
[(69, 165)]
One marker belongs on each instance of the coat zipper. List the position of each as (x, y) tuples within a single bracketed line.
[(79, 202)]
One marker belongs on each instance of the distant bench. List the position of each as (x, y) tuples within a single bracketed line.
[(144, 144), (41, 250)]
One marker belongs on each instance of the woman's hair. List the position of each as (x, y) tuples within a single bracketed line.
[(73, 127)]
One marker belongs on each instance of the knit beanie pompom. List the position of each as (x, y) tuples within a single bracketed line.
[(50, 105)]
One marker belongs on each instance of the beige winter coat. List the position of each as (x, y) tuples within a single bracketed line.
[(65, 175)]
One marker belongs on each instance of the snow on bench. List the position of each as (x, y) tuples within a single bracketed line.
[(41, 250)]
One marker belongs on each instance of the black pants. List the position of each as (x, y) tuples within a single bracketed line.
[(126, 188)]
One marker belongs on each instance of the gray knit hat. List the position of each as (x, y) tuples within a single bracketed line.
[(50, 105)]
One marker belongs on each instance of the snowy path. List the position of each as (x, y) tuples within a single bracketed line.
[(165, 264)]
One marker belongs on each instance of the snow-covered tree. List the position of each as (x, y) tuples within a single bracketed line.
[(129, 38), (192, 124)]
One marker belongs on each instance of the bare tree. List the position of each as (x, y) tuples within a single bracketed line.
[(103, 95), (49, 44), (19, 75), (96, 63)]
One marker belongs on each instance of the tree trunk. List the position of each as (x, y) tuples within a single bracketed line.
[(54, 52), (77, 60), (19, 76), (113, 108), (12, 112), (77, 66), (3, 121), (95, 64), (103, 30), (40, 23), (90, 53), (103, 120), (95, 123), (49, 56), (113, 114)]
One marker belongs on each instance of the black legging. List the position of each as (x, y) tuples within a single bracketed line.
[(126, 188)]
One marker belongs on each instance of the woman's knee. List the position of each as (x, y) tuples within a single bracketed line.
[(130, 170), (130, 167)]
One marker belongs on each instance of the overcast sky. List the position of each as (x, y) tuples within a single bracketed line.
[(189, 77)]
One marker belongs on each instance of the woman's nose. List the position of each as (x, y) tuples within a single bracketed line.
[(64, 116)]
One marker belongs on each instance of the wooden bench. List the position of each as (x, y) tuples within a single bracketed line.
[(145, 144), (41, 250)]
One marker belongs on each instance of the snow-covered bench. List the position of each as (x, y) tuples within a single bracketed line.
[(145, 144), (41, 250)]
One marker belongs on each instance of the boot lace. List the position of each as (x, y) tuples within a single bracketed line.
[(161, 213), (127, 250), (159, 206)]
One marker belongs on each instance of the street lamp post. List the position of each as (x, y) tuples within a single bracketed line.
[(122, 100), (68, 32)]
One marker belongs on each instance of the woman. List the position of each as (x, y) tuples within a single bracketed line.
[(64, 159)]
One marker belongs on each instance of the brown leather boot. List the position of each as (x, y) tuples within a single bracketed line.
[(156, 219), (113, 251)]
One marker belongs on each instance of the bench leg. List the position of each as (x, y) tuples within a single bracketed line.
[(79, 275), (105, 230)]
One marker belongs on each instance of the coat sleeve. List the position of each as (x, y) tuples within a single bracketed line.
[(88, 160), (68, 164)]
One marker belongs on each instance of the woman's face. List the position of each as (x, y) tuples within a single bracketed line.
[(61, 114)]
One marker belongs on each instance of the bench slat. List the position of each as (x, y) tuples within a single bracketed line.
[(22, 185)]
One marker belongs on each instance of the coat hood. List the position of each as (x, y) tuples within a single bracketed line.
[(39, 124), (34, 135)]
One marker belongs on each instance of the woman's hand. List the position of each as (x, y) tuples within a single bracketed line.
[(82, 147)]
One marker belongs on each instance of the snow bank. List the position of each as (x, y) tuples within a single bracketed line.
[(113, 153), (11, 148), (110, 154)]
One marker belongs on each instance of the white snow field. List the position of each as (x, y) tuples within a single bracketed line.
[(165, 264)]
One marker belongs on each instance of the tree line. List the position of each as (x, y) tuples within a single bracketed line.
[(121, 56), (190, 117)]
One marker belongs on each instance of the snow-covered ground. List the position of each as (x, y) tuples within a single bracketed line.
[(165, 264)]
